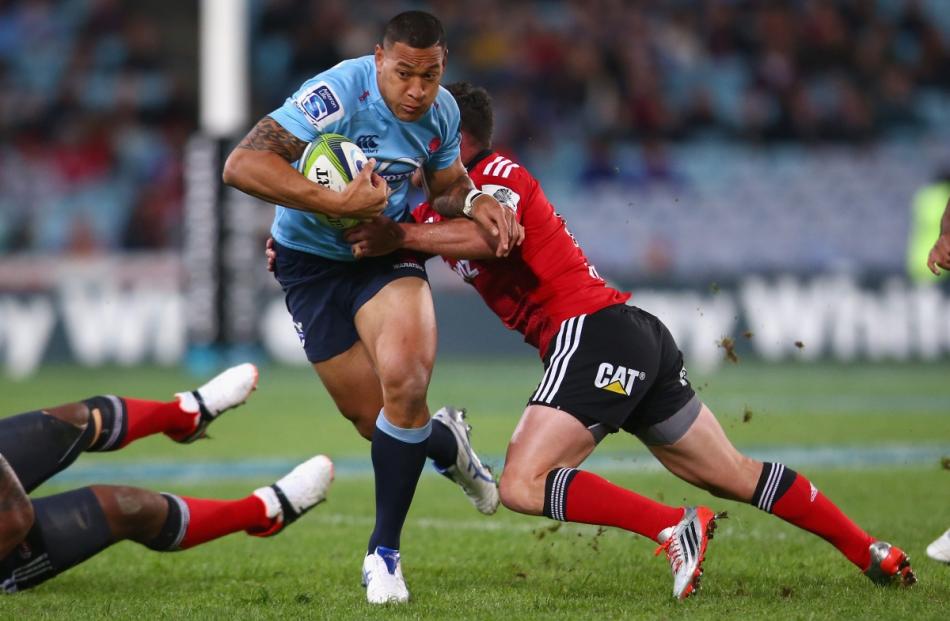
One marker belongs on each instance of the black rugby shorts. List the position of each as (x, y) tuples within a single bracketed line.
[(618, 368)]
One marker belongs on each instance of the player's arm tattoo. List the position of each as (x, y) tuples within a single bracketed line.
[(449, 204), (269, 135), (12, 496)]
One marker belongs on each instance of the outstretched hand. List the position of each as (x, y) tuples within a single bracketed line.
[(271, 254), (939, 256)]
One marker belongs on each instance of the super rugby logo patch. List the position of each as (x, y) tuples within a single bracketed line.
[(617, 379), (320, 104)]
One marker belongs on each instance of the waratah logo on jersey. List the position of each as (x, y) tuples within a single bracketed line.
[(367, 142), (618, 379), (397, 172), (320, 104)]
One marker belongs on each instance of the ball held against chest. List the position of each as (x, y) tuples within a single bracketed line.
[(332, 161)]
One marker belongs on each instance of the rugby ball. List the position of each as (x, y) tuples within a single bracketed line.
[(332, 161)]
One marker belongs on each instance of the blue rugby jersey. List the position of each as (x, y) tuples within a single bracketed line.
[(345, 99)]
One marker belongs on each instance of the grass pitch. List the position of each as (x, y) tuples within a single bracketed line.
[(461, 565)]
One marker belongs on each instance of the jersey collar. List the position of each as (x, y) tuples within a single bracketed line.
[(472, 163)]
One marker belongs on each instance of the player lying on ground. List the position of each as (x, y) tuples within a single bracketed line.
[(607, 366), (368, 327), (42, 538)]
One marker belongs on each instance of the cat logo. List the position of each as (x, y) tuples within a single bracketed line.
[(617, 379)]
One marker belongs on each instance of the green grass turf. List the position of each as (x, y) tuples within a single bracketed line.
[(462, 565)]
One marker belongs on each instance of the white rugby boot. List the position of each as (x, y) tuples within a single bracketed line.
[(939, 550), (685, 547), (889, 565), (300, 490), (476, 480), (225, 391), (382, 577)]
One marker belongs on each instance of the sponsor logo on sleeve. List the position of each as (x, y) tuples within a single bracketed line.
[(320, 104), (504, 195)]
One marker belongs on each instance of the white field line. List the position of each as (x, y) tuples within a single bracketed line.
[(798, 457)]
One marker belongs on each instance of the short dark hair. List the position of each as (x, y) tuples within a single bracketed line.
[(416, 29), (475, 106)]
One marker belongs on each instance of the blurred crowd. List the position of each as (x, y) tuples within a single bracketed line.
[(92, 123), (93, 113), (760, 70)]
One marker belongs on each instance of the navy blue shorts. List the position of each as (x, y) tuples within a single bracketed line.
[(323, 295)]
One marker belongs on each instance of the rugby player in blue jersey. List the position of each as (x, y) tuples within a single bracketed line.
[(368, 326)]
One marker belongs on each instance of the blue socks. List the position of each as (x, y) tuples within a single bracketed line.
[(398, 457)]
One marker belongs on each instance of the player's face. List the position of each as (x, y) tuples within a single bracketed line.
[(409, 78)]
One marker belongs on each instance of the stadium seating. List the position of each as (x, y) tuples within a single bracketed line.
[(94, 118)]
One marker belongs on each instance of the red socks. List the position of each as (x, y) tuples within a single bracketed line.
[(150, 417), (578, 496), (210, 519), (787, 494)]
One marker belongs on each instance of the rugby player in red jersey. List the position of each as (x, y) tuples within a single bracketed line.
[(607, 366), (42, 538)]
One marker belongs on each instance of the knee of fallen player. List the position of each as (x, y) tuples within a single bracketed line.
[(521, 492), (16, 510), (76, 414), (16, 520), (131, 512)]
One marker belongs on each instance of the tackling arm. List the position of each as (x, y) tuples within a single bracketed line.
[(455, 239), (261, 166), (451, 188)]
